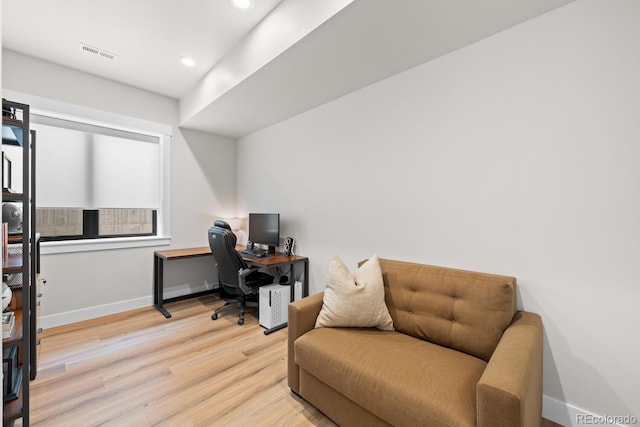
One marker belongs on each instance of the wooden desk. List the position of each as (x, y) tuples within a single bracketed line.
[(275, 260), (159, 257)]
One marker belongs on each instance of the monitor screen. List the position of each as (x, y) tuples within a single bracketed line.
[(264, 228)]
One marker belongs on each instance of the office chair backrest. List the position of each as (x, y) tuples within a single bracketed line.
[(222, 224), (228, 261)]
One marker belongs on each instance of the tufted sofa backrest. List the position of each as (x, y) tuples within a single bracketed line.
[(463, 310)]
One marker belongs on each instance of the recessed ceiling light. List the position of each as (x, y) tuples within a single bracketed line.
[(241, 4), (188, 62)]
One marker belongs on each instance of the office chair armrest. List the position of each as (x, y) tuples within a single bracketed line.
[(242, 280)]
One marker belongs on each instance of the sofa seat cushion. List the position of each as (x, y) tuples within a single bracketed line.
[(401, 379)]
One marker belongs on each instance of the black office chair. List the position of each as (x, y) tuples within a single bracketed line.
[(234, 275)]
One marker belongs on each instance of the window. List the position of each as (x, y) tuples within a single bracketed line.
[(71, 224), (98, 181)]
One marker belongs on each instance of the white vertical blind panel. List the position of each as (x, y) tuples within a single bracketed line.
[(64, 161), (125, 173)]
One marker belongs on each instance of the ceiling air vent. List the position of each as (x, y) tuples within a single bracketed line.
[(97, 51)]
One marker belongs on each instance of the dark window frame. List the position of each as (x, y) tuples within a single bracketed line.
[(90, 222)]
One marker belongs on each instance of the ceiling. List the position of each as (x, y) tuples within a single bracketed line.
[(149, 37), (245, 78)]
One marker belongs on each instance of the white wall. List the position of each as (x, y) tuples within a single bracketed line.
[(84, 285), (517, 155)]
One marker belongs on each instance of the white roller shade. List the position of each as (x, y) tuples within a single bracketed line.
[(92, 167)]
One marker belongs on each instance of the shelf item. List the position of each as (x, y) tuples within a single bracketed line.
[(8, 322), (12, 374), (12, 133), (16, 335)]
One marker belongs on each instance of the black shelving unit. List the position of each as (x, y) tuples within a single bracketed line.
[(20, 266)]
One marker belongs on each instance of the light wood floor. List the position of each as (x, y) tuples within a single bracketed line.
[(140, 369)]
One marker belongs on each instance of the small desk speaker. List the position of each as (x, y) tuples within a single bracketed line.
[(288, 246)]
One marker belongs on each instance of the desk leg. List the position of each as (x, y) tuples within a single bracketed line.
[(305, 285), (275, 328), (158, 284), (292, 283)]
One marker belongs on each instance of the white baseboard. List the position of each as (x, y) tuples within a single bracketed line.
[(73, 316), (65, 318), (571, 416)]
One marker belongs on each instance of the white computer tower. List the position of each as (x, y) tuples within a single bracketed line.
[(297, 290), (273, 303)]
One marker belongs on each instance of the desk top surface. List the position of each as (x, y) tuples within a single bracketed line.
[(277, 258), (184, 253)]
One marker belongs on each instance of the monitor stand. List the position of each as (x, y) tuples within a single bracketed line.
[(271, 250)]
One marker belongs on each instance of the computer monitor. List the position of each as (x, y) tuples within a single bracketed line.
[(264, 228)]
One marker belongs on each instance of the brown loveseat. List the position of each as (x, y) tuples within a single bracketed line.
[(460, 355)]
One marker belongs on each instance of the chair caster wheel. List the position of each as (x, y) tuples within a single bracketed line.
[(240, 321), (214, 316)]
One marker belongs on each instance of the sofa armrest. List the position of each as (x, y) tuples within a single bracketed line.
[(302, 318), (509, 392)]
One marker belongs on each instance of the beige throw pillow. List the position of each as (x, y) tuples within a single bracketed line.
[(354, 299)]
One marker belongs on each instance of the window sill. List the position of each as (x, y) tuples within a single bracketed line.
[(69, 246)]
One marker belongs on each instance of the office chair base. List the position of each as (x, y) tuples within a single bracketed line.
[(234, 302), (214, 316)]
